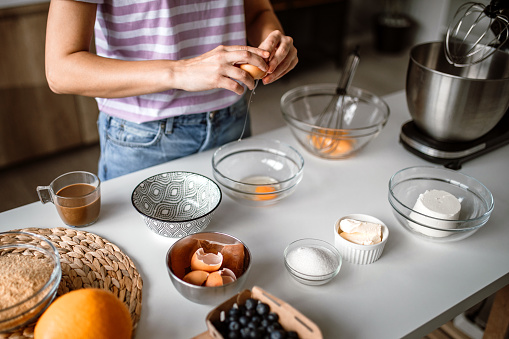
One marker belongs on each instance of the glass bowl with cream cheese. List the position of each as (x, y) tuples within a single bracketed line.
[(312, 261), (439, 204), (360, 238)]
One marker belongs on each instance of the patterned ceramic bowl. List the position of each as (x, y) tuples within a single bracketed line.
[(176, 204)]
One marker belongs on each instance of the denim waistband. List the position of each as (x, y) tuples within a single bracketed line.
[(167, 124)]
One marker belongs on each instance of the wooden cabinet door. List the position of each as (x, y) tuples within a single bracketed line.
[(34, 121)]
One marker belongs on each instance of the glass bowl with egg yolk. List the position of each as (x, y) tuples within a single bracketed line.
[(257, 172), (439, 204)]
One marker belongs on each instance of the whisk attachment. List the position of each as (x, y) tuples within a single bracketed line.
[(476, 32)]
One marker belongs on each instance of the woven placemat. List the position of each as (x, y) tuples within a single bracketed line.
[(88, 260)]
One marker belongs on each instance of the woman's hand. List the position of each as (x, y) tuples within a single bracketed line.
[(283, 55), (217, 69)]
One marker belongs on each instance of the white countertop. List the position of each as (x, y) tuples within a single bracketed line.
[(415, 287)]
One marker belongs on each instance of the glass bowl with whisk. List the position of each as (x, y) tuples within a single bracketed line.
[(361, 119)]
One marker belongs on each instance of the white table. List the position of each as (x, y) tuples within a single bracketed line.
[(415, 287)]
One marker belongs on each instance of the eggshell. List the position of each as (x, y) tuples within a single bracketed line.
[(196, 277), (214, 279), (254, 71), (227, 275), (208, 262)]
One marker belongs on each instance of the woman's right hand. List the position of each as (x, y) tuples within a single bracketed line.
[(218, 68)]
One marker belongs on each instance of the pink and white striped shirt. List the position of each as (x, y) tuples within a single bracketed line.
[(166, 29)]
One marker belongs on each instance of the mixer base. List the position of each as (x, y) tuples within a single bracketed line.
[(453, 155)]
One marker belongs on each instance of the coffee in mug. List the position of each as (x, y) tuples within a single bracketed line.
[(76, 196)]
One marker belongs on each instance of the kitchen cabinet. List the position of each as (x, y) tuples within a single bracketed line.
[(34, 121)]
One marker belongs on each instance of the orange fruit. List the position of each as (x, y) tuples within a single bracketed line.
[(254, 71), (87, 313)]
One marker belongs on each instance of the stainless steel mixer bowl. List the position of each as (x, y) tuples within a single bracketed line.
[(452, 103)]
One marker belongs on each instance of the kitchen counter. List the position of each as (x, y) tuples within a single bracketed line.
[(415, 287)]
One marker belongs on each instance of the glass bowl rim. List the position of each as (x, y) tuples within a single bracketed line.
[(330, 86), (216, 161)]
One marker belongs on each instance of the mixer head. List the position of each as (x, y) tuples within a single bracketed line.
[(476, 32)]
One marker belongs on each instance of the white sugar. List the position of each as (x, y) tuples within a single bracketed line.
[(312, 260)]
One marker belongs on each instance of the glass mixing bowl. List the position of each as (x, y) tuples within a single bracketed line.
[(476, 202), (365, 115), (257, 172)]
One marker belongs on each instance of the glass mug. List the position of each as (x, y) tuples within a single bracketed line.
[(76, 196)]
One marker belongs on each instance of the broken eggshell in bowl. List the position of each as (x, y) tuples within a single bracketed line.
[(205, 287)]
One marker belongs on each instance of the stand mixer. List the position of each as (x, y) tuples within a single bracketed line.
[(458, 90)]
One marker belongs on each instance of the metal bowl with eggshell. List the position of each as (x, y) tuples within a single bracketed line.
[(208, 267), (257, 172), (439, 204)]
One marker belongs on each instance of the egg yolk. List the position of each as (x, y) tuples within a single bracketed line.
[(263, 190), (331, 144)]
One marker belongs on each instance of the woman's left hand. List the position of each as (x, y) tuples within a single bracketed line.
[(283, 55)]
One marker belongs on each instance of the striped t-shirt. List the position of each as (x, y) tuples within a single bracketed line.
[(166, 29)]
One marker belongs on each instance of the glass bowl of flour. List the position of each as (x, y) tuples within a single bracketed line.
[(312, 261), (439, 204)]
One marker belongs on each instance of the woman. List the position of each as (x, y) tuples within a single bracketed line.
[(166, 73)]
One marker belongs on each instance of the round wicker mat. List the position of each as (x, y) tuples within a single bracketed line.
[(87, 260)]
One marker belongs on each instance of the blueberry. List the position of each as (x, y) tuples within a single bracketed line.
[(262, 309), (243, 320), (250, 313), (231, 318), (256, 319), (265, 322), (244, 332), (234, 312), (255, 334), (272, 316), (292, 335), (251, 303), (252, 325), (278, 334), (273, 327), (234, 335), (234, 326)]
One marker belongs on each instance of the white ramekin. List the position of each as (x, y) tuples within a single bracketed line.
[(360, 254)]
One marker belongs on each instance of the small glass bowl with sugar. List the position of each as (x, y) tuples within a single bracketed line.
[(312, 261)]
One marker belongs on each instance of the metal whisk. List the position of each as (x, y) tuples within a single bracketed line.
[(476, 32), (325, 139)]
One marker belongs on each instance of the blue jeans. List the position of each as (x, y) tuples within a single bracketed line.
[(127, 146)]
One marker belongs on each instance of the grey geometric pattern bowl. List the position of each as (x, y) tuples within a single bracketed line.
[(176, 204)]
